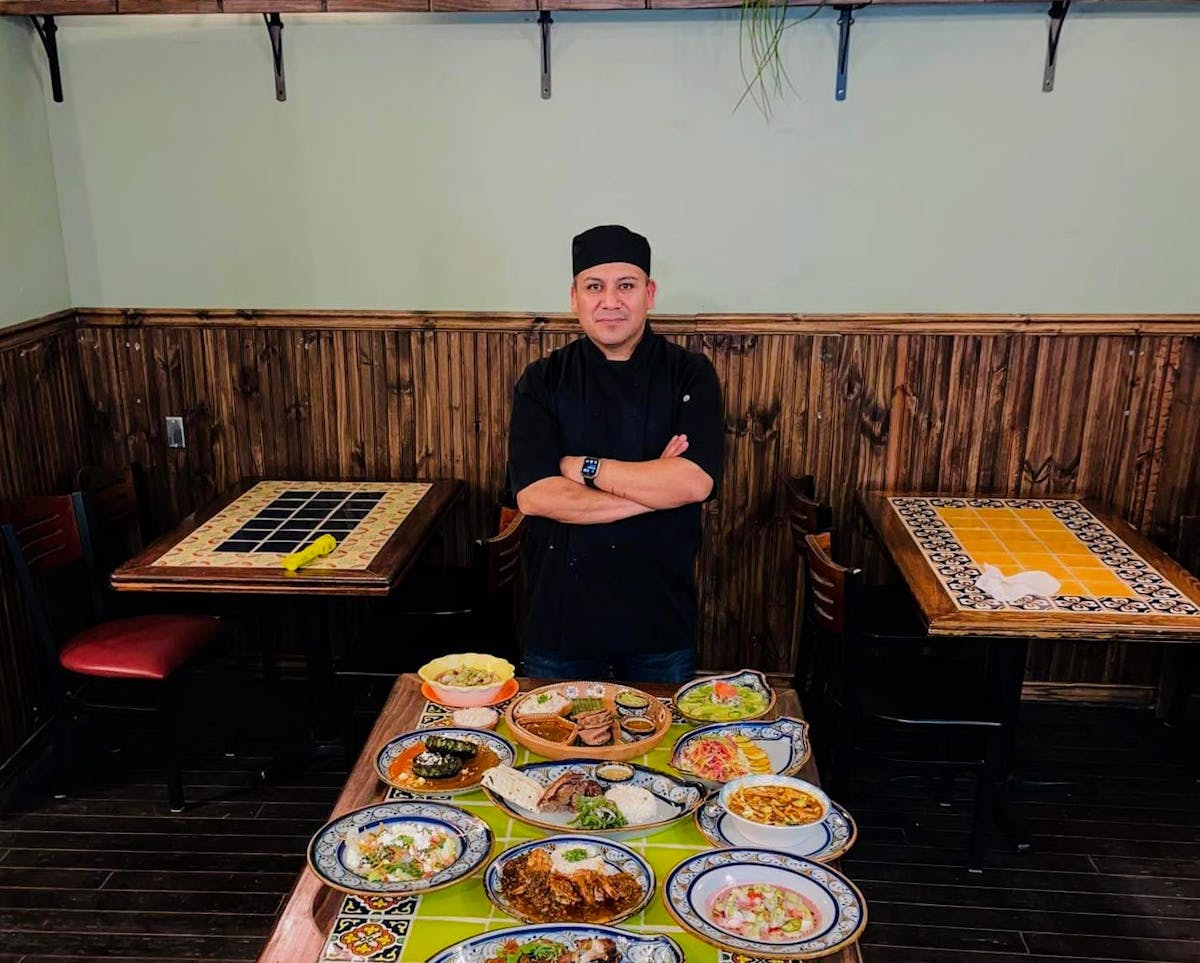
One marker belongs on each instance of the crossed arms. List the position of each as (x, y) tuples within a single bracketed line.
[(624, 488)]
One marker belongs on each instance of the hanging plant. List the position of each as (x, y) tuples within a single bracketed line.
[(762, 27)]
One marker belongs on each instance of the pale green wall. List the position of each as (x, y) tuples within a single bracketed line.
[(33, 268), (415, 166)]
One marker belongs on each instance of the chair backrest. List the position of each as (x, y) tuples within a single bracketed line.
[(833, 588), (110, 501), (500, 558), (45, 541), (806, 514)]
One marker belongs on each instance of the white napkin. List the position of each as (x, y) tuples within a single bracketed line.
[(1009, 588)]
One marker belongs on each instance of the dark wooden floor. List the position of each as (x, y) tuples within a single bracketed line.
[(1114, 875), (110, 874)]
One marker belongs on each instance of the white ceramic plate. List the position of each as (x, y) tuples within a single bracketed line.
[(327, 849), (841, 912), (630, 947), (676, 798), (617, 859)]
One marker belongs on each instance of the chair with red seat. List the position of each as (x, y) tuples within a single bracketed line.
[(49, 542)]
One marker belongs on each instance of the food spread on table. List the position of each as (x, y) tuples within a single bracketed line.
[(567, 880)]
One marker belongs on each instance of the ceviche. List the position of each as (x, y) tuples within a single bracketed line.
[(396, 852), (722, 758), (763, 912)]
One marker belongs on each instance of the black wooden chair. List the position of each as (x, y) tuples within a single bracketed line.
[(806, 515), (879, 684), (82, 649)]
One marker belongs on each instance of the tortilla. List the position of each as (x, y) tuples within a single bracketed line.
[(518, 788)]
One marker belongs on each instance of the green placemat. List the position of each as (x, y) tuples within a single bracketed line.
[(412, 929)]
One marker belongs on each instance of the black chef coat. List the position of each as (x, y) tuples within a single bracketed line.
[(625, 586)]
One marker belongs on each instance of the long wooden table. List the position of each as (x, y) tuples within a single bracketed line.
[(300, 933)]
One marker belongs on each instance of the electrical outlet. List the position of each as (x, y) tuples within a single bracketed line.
[(175, 438)]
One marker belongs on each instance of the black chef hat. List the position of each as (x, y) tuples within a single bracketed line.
[(608, 244)]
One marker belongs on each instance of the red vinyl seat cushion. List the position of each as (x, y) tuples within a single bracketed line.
[(141, 647)]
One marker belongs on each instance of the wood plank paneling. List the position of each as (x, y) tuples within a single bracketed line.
[(1007, 405), (1108, 407)]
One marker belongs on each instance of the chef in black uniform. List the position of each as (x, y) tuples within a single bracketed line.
[(615, 442)]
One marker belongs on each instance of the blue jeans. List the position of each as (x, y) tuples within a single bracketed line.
[(678, 666)]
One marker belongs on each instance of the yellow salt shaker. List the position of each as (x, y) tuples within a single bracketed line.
[(322, 546)]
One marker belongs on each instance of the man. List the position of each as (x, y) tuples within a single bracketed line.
[(615, 441)]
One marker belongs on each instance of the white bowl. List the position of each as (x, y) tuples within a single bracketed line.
[(777, 837)]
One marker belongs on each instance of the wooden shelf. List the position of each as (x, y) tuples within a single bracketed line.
[(60, 8)]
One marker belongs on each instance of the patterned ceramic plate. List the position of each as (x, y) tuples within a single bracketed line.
[(751, 697), (675, 798), (468, 847), (697, 888), (783, 742), (719, 829), (614, 857), (393, 763), (568, 938)]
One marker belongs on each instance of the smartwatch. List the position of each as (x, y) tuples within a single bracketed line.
[(590, 467)]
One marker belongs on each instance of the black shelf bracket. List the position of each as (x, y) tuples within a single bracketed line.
[(544, 22), (46, 31), (275, 29), (1058, 13), (845, 18)]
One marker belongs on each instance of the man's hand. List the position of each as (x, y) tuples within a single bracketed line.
[(675, 447)]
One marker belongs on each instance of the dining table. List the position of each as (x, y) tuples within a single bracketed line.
[(237, 544), (1112, 584), (313, 916)]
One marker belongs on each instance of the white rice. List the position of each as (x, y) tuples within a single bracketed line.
[(636, 804)]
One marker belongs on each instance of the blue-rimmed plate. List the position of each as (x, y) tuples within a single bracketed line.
[(569, 938), (716, 825), (698, 703), (674, 798), (466, 780), (779, 746), (565, 853), (469, 843), (695, 890)]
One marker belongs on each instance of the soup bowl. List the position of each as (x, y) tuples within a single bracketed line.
[(776, 835)]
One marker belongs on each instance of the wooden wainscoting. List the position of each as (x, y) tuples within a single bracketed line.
[(43, 440), (1103, 406)]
